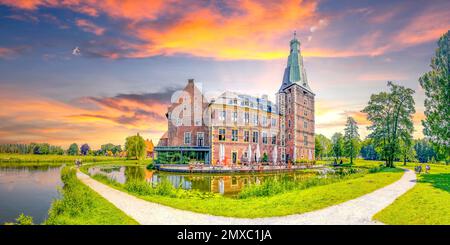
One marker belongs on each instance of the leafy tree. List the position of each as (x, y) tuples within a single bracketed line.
[(390, 114), (337, 145), (318, 148), (351, 139), (56, 150), (424, 150), (407, 152), (135, 146), (368, 151), (265, 158), (325, 143), (85, 149), (73, 149), (111, 148), (436, 84)]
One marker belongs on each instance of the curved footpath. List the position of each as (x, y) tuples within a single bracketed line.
[(357, 211)]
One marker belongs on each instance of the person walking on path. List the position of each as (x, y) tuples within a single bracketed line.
[(427, 168)]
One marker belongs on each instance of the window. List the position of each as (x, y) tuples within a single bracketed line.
[(255, 119), (305, 112), (235, 116), (264, 121), (187, 138), (305, 124), (247, 117), (200, 138), (305, 101), (221, 134), (274, 139), (234, 135), (255, 138), (289, 123), (246, 136), (274, 122), (289, 136), (264, 137), (223, 115), (305, 138), (282, 140)]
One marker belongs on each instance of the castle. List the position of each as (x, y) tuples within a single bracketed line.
[(237, 128)]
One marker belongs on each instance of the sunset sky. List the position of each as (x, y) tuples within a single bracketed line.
[(135, 54)]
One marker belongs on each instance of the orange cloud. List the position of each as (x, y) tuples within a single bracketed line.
[(429, 26), (90, 27), (247, 29), (109, 119), (249, 32)]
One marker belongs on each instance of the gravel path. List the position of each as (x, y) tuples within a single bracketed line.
[(357, 211)]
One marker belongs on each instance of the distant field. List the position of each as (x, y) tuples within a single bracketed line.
[(30, 158)]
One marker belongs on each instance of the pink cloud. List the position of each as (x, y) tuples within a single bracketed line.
[(88, 26)]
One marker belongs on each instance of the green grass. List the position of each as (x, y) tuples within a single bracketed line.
[(428, 202), (34, 159), (290, 202), (80, 205)]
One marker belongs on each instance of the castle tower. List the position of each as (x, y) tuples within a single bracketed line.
[(296, 102)]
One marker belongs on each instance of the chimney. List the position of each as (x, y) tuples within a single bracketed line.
[(191, 80)]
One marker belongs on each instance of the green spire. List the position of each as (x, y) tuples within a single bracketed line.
[(295, 71)]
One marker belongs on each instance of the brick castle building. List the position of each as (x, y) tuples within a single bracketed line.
[(237, 128)]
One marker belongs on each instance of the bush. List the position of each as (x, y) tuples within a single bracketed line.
[(139, 187), (22, 220), (75, 199)]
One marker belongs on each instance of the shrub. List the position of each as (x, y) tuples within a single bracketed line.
[(22, 220), (75, 199), (139, 187)]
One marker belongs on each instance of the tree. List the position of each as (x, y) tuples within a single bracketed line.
[(351, 139), (368, 151), (325, 143), (424, 150), (110, 147), (390, 114), (436, 84), (318, 148), (85, 149), (407, 152), (135, 146), (265, 158), (337, 145), (73, 149)]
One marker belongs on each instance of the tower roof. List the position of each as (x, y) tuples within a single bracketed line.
[(295, 73)]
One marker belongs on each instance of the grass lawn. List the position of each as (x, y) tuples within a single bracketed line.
[(426, 203), (292, 202), (32, 158), (82, 206)]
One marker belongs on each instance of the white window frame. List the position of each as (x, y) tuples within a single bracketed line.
[(190, 138)]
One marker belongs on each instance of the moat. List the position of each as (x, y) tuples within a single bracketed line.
[(227, 184)]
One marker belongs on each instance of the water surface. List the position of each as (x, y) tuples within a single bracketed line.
[(225, 184), (28, 190)]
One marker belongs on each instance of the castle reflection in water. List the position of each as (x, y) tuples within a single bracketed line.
[(225, 184)]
